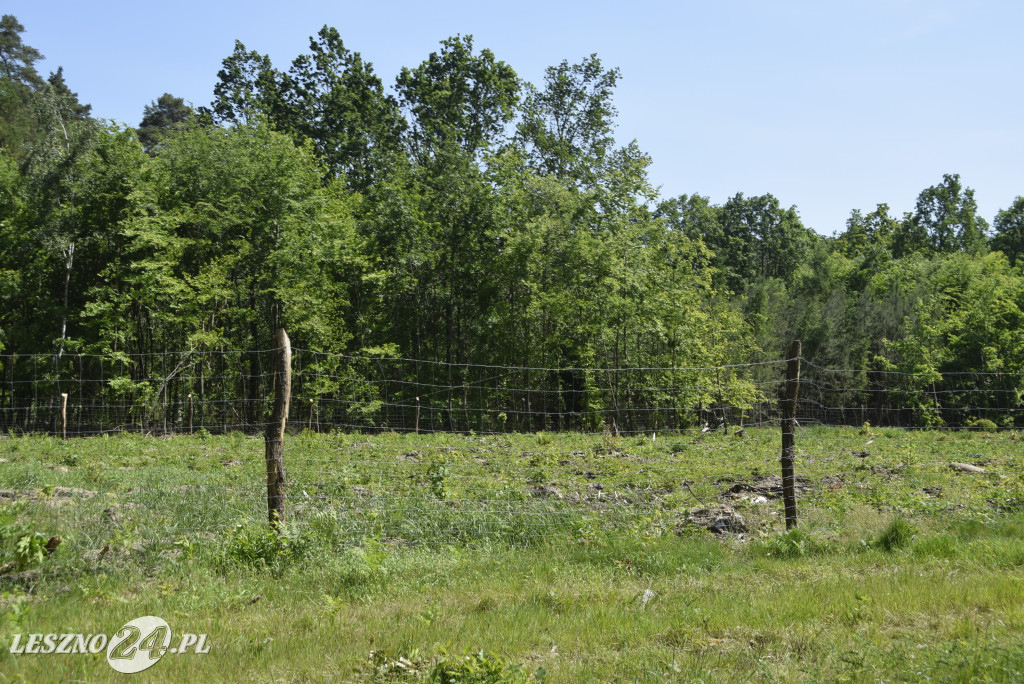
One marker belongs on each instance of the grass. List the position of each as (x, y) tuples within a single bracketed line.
[(553, 557)]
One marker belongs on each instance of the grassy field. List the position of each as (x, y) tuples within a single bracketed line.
[(553, 557)]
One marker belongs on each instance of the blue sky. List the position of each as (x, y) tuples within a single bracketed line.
[(828, 106)]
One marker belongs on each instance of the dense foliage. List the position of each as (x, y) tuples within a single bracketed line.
[(465, 217)]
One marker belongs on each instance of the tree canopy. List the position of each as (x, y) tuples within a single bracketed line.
[(458, 215)]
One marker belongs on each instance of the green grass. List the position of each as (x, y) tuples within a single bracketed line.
[(521, 557)]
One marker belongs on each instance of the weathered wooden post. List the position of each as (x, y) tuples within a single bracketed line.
[(64, 415), (789, 433), (309, 426), (190, 413), (276, 427), (417, 415)]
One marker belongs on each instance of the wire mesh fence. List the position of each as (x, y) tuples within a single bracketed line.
[(223, 391), (411, 453), (954, 399)]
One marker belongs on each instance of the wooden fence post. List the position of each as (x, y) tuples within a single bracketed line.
[(417, 415), (789, 433), (64, 415), (190, 413), (276, 428), (309, 426)]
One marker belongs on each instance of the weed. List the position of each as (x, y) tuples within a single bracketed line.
[(13, 610), (31, 549), (438, 475), (186, 546), (895, 536), (478, 667), (10, 526), (324, 528), (983, 424), (258, 545), (793, 544), (609, 441)]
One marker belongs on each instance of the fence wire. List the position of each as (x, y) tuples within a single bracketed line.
[(224, 391), (415, 453)]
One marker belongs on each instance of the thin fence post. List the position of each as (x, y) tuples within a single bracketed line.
[(163, 372), (310, 425), (417, 415), (64, 415), (224, 393), (789, 433), (190, 413), (276, 427)]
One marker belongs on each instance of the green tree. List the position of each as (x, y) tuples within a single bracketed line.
[(435, 234), (11, 271), (759, 240), (946, 216), (566, 128), (1009, 228), (248, 89), (17, 59), (867, 233), (434, 226), (692, 215), (242, 237), (969, 318), (18, 82), (591, 279), (458, 97), (160, 118), (334, 98), (74, 108), (78, 185)]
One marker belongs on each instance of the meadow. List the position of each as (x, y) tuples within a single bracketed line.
[(524, 557)]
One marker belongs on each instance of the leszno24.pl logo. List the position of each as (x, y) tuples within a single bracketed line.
[(138, 645)]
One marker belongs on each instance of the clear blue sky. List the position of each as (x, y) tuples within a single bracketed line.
[(828, 106)]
